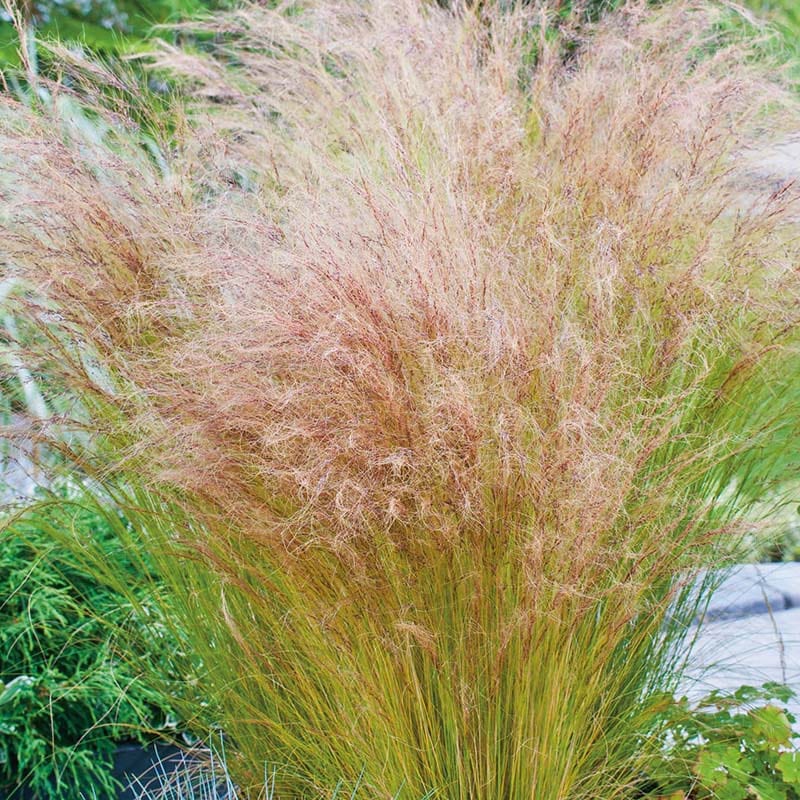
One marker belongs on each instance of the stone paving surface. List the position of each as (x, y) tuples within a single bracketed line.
[(751, 633), (756, 589), (772, 167)]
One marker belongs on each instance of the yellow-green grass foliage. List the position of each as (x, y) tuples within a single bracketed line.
[(430, 359)]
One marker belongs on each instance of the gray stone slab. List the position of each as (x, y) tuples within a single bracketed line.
[(780, 162), (745, 592), (753, 650), (783, 578), (763, 170)]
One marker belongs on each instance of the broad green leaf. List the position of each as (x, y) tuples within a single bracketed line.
[(771, 723), (710, 769), (767, 789), (780, 691), (732, 790), (746, 694), (789, 766)]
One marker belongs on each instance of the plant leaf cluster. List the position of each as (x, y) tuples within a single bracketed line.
[(67, 692), (730, 746), (110, 28)]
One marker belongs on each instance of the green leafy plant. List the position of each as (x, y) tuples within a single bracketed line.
[(730, 746), (427, 376), (112, 28), (67, 694)]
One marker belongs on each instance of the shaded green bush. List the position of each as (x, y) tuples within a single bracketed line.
[(107, 27), (67, 694)]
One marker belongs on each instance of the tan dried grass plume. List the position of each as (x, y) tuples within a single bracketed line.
[(465, 337)]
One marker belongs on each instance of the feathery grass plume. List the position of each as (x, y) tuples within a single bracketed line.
[(429, 369)]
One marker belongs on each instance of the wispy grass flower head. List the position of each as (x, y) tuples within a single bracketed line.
[(443, 345)]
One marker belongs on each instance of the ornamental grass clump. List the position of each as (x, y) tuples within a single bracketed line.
[(430, 359)]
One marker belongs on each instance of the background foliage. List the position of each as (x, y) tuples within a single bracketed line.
[(738, 746), (108, 27), (66, 694)]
